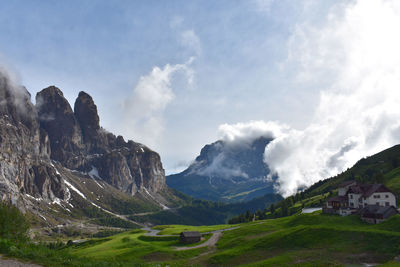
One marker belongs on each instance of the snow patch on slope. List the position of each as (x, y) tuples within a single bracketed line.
[(158, 202), (94, 174), (37, 199), (74, 189)]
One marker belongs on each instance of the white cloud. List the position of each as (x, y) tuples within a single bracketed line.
[(191, 41), (10, 79), (358, 115), (220, 167), (235, 137), (245, 133), (187, 38), (151, 96)]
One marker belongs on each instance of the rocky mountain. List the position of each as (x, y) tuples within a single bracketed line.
[(227, 172), (60, 165), (79, 143)]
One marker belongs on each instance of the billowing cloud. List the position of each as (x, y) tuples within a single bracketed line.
[(221, 166), (9, 79), (152, 94), (236, 138), (356, 51), (247, 132)]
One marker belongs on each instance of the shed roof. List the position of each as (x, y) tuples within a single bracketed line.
[(191, 234), (376, 211)]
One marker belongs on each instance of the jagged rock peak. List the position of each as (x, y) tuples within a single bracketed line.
[(52, 90), (25, 166), (58, 119), (86, 113)]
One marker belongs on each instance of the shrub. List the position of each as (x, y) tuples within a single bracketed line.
[(13, 225)]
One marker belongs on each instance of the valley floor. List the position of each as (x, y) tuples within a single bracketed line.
[(300, 240), (306, 239)]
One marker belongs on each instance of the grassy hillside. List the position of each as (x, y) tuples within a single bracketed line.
[(299, 240), (315, 239), (383, 168)]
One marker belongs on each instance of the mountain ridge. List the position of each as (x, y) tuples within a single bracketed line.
[(227, 172), (59, 166)]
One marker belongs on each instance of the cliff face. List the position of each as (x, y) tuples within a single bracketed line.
[(78, 142), (35, 138), (58, 120), (25, 165)]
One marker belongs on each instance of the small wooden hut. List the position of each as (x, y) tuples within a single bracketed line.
[(190, 237)]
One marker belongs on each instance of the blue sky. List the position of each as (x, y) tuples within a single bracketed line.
[(104, 47), (170, 73)]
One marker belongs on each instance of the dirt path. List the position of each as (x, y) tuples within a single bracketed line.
[(15, 263), (211, 242)]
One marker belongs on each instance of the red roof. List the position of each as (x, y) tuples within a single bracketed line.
[(367, 190)]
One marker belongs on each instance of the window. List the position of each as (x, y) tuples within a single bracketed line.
[(351, 196), (387, 203), (387, 196)]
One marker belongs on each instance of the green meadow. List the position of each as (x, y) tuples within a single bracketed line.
[(298, 240), (302, 240)]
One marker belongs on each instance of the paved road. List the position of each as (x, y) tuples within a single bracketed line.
[(152, 232), (15, 263)]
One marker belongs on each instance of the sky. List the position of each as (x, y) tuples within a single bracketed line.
[(322, 76)]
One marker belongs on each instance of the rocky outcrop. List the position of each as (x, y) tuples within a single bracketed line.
[(33, 137), (86, 113), (25, 165), (78, 142), (58, 120)]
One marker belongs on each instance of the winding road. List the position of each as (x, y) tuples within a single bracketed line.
[(211, 242)]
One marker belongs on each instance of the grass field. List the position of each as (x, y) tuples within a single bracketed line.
[(177, 229), (303, 240), (299, 240)]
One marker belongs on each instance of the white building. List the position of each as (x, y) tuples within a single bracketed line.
[(360, 196), (353, 196)]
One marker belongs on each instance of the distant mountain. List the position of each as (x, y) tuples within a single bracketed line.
[(227, 171)]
